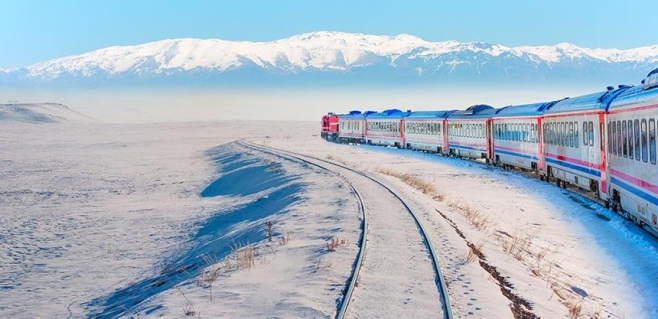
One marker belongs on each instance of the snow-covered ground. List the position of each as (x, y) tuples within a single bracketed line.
[(163, 219), (558, 250)]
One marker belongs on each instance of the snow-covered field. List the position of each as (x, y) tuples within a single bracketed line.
[(170, 220)]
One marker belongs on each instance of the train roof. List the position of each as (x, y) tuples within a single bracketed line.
[(474, 112), (430, 114), (389, 115), (634, 95), (534, 109), (595, 101), (355, 115)]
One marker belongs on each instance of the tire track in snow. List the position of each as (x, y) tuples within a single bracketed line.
[(395, 281)]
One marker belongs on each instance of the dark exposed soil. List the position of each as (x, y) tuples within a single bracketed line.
[(521, 308)]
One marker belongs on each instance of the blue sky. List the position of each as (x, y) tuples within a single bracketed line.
[(33, 31)]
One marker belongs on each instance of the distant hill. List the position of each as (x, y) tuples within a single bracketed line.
[(41, 113), (341, 57)]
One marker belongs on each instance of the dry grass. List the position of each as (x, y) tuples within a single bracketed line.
[(269, 230), (209, 275), (474, 252), (245, 256), (189, 310), (417, 183), (473, 216), (334, 243), (285, 238), (517, 245), (575, 309), (337, 159)]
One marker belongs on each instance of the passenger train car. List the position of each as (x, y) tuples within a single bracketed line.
[(386, 128), (631, 151), (603, 142), (427, 131), (468, 132), (517, 138), (352, 127)]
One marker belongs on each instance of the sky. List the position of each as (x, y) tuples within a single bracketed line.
[(32, 31)]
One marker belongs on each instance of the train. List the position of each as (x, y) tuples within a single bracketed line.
[(603, 143)]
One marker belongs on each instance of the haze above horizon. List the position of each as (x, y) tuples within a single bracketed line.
[(57, 29)]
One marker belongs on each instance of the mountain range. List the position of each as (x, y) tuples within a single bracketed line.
[(340, 58)]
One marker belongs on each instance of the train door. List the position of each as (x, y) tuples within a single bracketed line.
[(540, 143), (603, 186), (489, 139), (403, 138), (446, 147)]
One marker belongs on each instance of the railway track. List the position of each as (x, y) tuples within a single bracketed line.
[(379, 258)]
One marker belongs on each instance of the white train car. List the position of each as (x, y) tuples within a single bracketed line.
[(427, 131), (469, 131), (352, 127), (386, 128), (573, 141), (631, 134), (517, 136)]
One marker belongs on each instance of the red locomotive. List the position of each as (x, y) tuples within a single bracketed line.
[(330, 127)]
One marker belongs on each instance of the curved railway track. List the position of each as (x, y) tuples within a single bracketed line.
[(348, 295)]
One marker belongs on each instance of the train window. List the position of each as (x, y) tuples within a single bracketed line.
[(624, 138), (549, 133), (614, 138), (584, 133), (570, 139), (652, 140), (575, 138), (636, 127), (563, 135), (591, 133), (609, 139), (645, 140), (536, 137), (630, 139), (527, 132), (619, 141), (555, 132)]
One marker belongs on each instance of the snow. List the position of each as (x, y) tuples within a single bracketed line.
[(587, 249), (98, 216), (321, 50), (41, 113)]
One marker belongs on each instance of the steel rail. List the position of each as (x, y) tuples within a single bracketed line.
[(443, 291)]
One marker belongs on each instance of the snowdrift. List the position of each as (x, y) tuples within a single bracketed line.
[(41, 113)]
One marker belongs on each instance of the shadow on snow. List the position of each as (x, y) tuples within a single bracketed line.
[(242, 175)]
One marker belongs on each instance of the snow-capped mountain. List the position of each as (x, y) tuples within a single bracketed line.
[(344, 54)]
